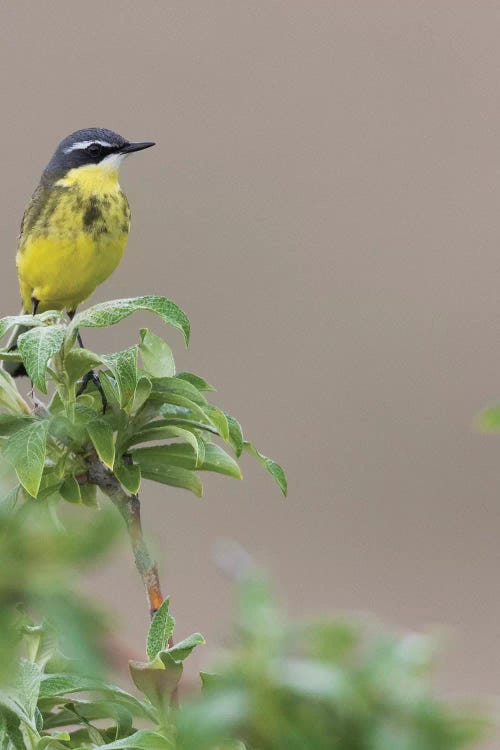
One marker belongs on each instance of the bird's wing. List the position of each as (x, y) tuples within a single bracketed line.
[(43, 202), (31, 212)]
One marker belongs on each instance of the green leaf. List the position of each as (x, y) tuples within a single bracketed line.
[(189, 408), (95, 736), (173, 411), (156, 355), (129, 475), (142, 393), (216, 459), (11, 736), (123, 366), (218, 418), (109, 313), (182, 455), (173, 405), (8, 702), (10, 423), (156, 679), (154, 467), (37, 346), (88, 711), (54, 685), (27, 321), (26, 452), (10, 396), (276, 471), (159, 431), (180, 387), (42, 642), (77, 362), (160, 630), (175, 477), (70, 490), (38, 719), (235, 435), (101, 434), (180, 651), (27, 686), (21, 698), (172, 418), (111, 392), (195, 380)]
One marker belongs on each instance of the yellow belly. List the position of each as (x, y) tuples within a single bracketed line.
[(73, 243), (62, 271)]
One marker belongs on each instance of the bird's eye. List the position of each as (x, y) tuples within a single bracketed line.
[(94, 149)]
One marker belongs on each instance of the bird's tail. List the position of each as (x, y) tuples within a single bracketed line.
[(16, 369)]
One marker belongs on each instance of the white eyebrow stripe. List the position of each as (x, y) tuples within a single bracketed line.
[(84, 144)]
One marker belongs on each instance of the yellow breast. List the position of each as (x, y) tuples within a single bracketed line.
[(73, 236)]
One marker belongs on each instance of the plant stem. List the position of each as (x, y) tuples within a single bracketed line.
[(130, 510)]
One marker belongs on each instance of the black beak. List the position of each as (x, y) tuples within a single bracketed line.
[(130, 147)]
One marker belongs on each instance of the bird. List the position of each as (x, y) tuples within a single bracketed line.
[(75, 227)]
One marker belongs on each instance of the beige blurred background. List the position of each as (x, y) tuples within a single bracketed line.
[(324, 203)]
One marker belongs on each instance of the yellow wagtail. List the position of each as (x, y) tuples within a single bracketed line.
[(75, 227)]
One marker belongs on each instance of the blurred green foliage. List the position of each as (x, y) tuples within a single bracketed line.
[(317, 685), (40, 564), (321, 684)]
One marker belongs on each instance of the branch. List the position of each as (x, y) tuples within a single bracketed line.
[(130, 510)]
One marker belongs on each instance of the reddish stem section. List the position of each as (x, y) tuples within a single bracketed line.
[(146, 566)]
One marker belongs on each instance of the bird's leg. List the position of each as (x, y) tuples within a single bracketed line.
[(34, 305), (89, 376), (93, 377), (71, 315)]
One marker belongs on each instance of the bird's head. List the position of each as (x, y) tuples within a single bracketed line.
[(91, 146)]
